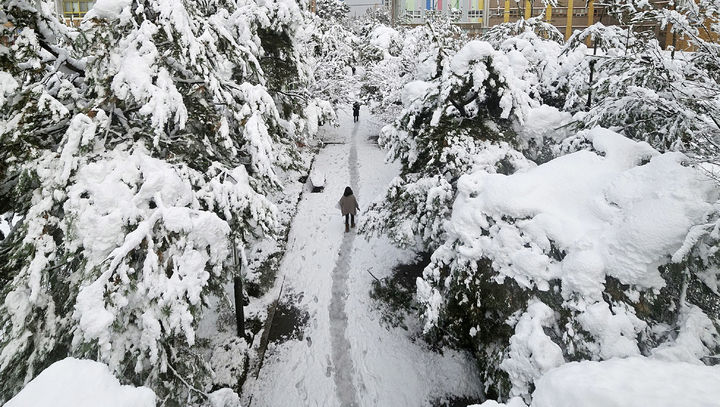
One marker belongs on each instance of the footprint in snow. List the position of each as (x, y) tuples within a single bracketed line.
[(328, 371)]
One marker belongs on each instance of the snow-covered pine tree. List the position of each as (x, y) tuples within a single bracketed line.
[(457, 121), (541, 45), (38, 79), (153, 168), (39, 94), (404, 56), (334, 49), (499, 33), (665, 97)]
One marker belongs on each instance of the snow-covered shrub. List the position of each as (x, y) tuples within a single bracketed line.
[(456, 121), (134, 172), (605, 252)]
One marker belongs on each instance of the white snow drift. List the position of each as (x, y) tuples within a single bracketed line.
[(80, 383), (631, 382)]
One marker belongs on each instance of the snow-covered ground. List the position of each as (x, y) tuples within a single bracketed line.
[(346, 356)]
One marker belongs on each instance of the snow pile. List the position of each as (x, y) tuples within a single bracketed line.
[(513, 402), (228, 360), (80, 383), (317, 178), (224, 398), (631, 382)]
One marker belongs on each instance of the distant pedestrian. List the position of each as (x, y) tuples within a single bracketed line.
[(353, 69), (356, 111), (348, 207)]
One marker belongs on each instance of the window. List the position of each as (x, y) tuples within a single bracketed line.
[(413, 14), (76, 9), (475, 13)]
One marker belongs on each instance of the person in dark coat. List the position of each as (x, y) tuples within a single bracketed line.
[(356, 111), (348, 207)]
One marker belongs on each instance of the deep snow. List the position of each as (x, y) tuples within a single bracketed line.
[(80, 383), (630, 382)]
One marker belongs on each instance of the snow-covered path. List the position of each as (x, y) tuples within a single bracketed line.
[(345, 356), (339, 342)]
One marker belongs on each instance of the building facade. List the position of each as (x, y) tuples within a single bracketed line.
[(478, 15)]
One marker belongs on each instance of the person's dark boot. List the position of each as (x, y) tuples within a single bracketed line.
[(352, 225), (347, 228)]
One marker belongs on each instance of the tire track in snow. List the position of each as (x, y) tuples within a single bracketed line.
[(340, 345)]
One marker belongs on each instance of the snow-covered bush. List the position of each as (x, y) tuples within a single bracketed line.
[(134, 172), (592, 255), (457, 121)]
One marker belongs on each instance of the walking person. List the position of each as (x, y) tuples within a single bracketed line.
[(356, 111), (348, 207)]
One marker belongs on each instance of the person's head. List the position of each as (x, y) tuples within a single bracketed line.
[(348, 191)]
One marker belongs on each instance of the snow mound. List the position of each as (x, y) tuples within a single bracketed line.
[(317, 178), (513, 402), (80, 383), (632, 382)]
